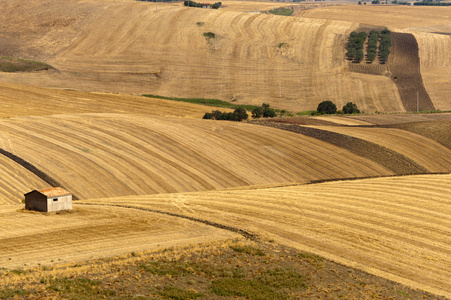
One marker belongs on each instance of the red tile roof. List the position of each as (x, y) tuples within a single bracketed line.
[(55, 192)]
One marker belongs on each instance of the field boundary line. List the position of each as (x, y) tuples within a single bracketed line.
[(244, 233), (33, 169)]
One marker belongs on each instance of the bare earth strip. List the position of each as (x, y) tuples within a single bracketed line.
[(105, 155), (424, 151), (397, 228)]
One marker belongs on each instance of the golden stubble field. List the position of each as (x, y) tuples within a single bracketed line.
[(106, 155), (397, 228), (292, 63)]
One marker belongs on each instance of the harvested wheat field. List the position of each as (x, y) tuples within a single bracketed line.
[(291, 63), (431, 27), (106, 155), (426, 152), (397, 228), (21, 100), (91, 232)]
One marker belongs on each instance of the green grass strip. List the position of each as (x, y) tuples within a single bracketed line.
[(13, 64), (203, 101)]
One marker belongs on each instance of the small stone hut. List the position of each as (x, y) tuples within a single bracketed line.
[(52, 199)]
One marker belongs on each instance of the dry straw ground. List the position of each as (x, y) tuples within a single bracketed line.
[(397, 228), (292, 63), (105, 155), (109, 146)]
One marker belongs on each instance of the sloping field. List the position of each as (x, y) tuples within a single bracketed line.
[(438, 130), (91, 232), (424, 151), (435, 61), (15, 181), (399, 17), (431, 27), (394, 119), (397, 228), (128, 46), (22, 100), (106, 155)]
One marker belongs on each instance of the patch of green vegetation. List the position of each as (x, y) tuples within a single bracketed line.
[(78, 288), (8, 293), (306, 113), (311, 256), (173, 268), (280, 11), (271, 284), (248, 250), (203, 101), (173, 292), (200, 24), (18, 271), (282, 279), (209, 35), (403, 293), (13, 64), (251, 289), (280, 45)]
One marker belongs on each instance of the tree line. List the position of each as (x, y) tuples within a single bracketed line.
[(240, 114), (196, 4), (356, 43)]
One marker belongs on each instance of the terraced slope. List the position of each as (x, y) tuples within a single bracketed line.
[(106, 155), (126, 46), (397, 228), (429, 154)]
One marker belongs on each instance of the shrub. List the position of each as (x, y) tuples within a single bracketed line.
[(216, 5), (264, 111), (326, 107), (238, 115), (359, 55), (350, 108)]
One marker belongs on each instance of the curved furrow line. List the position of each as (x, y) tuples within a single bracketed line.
[(176, 160), (361, 219), (121, 158), (171, 151), (57, 154)]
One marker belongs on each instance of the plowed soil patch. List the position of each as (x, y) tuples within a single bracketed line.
[(397, 228), (425, 152), (405, 65), (384, 156), (439, 131)]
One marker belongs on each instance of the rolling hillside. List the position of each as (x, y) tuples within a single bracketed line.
[(291, 63), (397, 228), (106, 155)]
